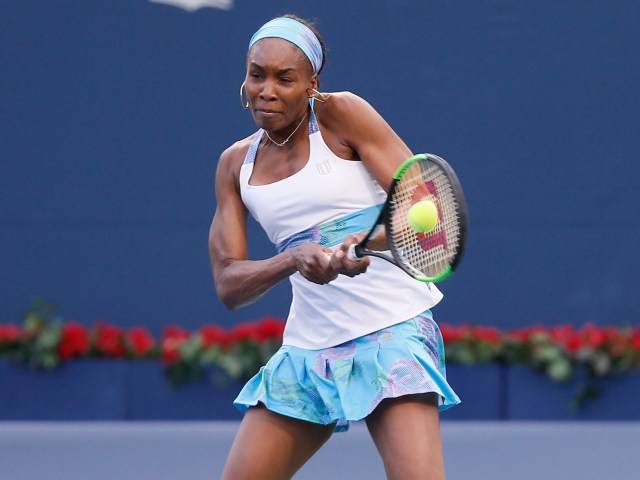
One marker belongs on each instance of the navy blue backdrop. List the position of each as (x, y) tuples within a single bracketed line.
[(113, 115)]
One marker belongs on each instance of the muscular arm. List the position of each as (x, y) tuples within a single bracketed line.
[(360, 132), (238, 280)]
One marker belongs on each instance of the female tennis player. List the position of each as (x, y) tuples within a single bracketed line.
[(360, 341)]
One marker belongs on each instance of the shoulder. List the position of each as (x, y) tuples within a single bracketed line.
[(350, 121), (342, 105), (231, 159), (233, 156), (345, 118)]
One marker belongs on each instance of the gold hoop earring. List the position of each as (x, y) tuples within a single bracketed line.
[(321, 97), (245, 104)]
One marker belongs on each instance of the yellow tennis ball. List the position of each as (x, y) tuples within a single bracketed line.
[(423, 216)]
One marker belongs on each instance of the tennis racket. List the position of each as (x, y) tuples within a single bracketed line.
[(432, 256)]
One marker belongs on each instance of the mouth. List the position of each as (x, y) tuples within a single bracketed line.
[(266, 112)]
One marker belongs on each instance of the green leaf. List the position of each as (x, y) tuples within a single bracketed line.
[(585, 393), (210, 356), (190, 349)]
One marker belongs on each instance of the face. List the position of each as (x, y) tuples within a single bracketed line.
[(279, 76)]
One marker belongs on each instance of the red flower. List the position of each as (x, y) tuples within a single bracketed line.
[(269, 329), (9, 333), (74, 341), (567, 337), (140, 341), (525, 335), (612, 334), (452, 334), (213, 335), (521, 335), (489, 335), (242, 333), (173, 337), (592, 336), (109, 340), (634, 339)]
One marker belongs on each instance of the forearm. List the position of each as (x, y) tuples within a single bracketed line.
[(242, 282)]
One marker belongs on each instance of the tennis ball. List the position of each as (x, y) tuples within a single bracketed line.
[(423, 216)]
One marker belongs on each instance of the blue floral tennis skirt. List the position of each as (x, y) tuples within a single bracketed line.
[(346, 382)]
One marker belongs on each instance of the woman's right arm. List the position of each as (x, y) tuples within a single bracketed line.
[(238, 280)]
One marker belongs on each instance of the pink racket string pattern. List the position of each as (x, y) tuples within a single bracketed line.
[(426, 254)]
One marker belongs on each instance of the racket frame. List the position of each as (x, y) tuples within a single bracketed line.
[(357, 251)]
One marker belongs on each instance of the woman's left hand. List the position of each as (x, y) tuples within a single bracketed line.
[(341, 263)]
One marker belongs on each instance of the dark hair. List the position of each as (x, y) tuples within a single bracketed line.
[(311, 26)]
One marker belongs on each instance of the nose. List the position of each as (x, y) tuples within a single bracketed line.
[(268, 91)]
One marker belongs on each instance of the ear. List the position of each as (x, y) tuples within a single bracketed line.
[(315, 82)]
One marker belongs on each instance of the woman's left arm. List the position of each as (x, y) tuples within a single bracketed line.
[(359, 128), (362, 131)]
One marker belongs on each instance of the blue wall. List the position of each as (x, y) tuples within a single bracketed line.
[(113, 115)]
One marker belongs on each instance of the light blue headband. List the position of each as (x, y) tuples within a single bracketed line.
[(295, 32)]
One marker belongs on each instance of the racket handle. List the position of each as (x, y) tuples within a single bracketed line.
[(353, 253)]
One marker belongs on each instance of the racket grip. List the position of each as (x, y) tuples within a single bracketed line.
[(353, 253)]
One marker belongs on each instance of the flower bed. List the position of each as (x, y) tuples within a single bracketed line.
[(44, 340)]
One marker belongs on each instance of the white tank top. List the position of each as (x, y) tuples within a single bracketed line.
[(327, 200)]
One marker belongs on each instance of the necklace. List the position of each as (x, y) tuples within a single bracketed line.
[(289, 137)]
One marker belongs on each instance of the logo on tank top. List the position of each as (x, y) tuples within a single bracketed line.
[(324, 167)]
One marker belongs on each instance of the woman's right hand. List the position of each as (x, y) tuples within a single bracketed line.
[(313, 261)]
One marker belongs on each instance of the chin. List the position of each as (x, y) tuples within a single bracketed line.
[(267, 124)]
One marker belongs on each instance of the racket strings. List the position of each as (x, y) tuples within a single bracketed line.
[(426, 253)]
